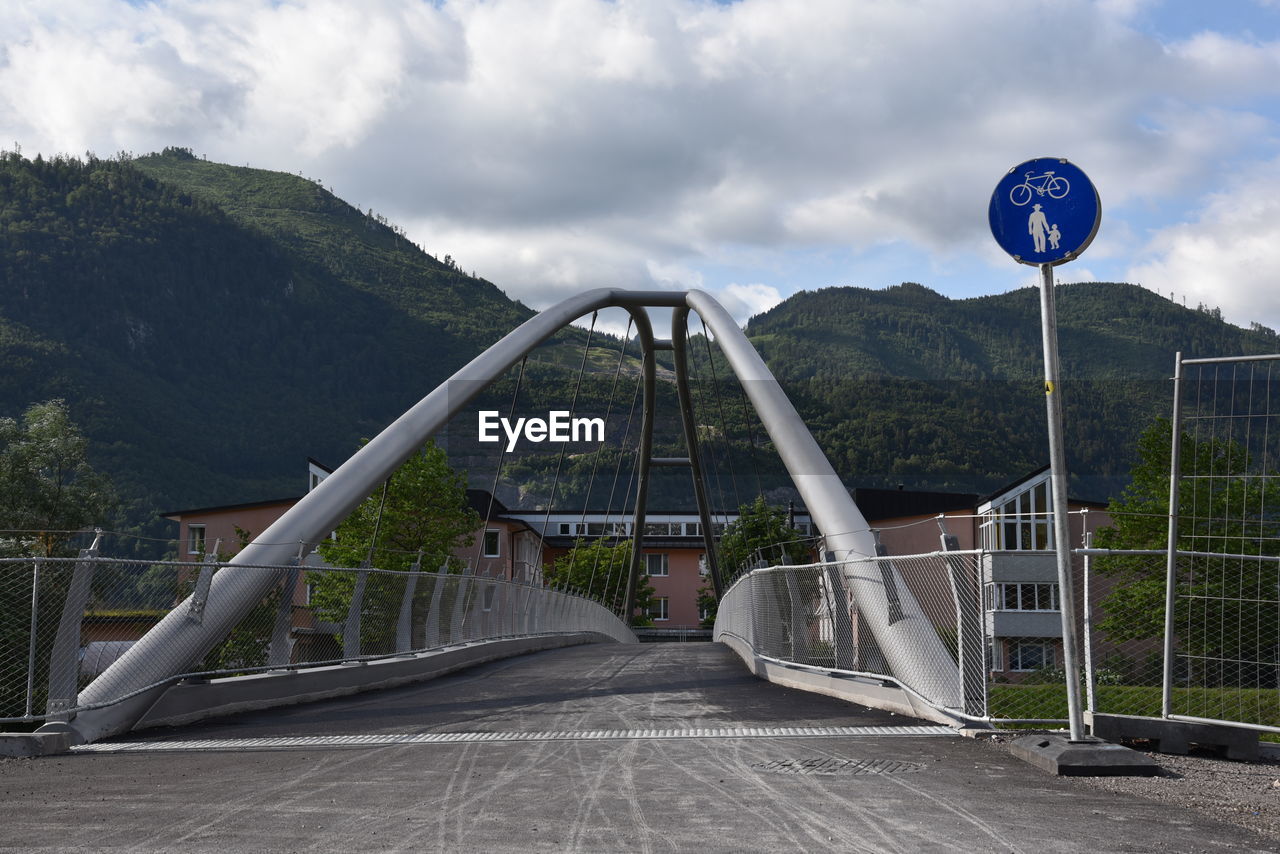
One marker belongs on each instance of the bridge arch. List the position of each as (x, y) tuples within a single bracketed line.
[(914, 656)]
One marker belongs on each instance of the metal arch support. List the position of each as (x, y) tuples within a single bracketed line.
[(644, 329), (915, 653), (168, 649), (679, 326)]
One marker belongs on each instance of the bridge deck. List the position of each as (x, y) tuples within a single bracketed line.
[(668, 747)]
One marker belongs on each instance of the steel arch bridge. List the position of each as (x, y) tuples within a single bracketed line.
[(914, 656)]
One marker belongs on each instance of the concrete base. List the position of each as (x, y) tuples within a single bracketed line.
[(873, 693), (1178, 736), (23, 745), (1092, 757)]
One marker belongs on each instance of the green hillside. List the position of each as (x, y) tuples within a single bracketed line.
[(906, 386), (212, 326)]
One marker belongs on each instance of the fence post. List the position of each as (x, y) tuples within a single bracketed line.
[(200, 595), (841, 620), (31, 637), (432, 628), (1171, 568), (64, 663), (1090, 677), (970, 636), (799, 621), (458, 617), (279, 651), (404, 626), (351, 628)]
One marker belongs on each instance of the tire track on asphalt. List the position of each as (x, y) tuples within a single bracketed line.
[(966, 815)]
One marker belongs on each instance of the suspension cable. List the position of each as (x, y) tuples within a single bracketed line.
[(377, 522), (617, 471), (708, 447), (573, 408), (751, 434), (724, 424), (586, 502), (502, 453)]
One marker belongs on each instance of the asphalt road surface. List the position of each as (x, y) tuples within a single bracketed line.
[(599, 748)]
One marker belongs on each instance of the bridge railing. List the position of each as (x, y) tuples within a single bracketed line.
[(66, 621), (998, 617), (803, 617)]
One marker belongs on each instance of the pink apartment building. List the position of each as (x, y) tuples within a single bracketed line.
[(1019, 596)]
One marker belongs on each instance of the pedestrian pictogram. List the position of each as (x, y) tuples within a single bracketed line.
[(1045, 211)]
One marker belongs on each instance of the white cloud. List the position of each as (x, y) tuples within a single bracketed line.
[(746, 301), (563, 144), (1229, 257)]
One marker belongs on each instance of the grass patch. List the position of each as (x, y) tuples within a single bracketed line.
[(1246, 705)]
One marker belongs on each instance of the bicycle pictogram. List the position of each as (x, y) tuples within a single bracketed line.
[(1055, 186)]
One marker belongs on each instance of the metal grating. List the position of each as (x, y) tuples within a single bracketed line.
[(298, 742), (832, 767)]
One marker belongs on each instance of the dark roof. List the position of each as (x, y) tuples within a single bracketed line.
[(248, 505), (1009, 487), (478, 500), (1014, 484), (893, 503), (313, 461)]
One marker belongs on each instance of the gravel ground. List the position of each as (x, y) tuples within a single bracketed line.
[(1246, 794)]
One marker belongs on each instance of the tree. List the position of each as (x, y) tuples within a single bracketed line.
[(599, 569), (48, 490), (1232, 512), (422, 510), (761, 532)]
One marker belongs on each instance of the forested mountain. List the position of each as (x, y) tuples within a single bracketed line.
[(906, 386), (212, 326)]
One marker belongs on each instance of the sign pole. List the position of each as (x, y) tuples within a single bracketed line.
[(1058, 484)]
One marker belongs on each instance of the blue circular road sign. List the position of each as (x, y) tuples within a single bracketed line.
[(1045, 211)]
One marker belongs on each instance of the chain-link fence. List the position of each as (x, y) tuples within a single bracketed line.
[(1224, 662), (931, 640), (997, 617), (65, 622)]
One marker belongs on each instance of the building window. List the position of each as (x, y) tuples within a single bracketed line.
[(195, 539), (1021, 521), (692, 529), (492, 543), (656, 564), (1027, 655), (658, 611), (1005, 596)]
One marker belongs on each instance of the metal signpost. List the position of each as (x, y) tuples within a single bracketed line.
[(1045, 212)]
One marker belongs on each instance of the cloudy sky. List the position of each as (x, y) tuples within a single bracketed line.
[(750, 148)]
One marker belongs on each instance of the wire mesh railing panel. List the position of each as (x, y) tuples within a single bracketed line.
[(803, 615), (66, 622), (921, 594), (1226, 623), (31, 592), (1225, 644)]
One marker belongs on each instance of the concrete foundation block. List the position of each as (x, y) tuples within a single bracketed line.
[(24, 745), (1060, 755), (1177, 736)]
